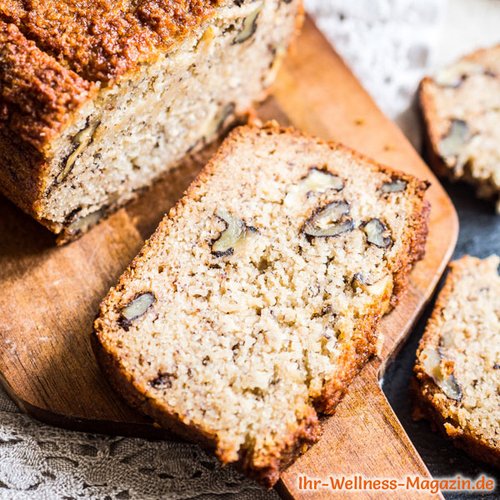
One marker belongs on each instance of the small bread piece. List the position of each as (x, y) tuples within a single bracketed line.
[(461, 109), (457, 370), (255, 302), (98, 99)]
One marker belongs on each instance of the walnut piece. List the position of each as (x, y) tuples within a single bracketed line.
[(331, 220), (136, 308), (432, 363), (249, 26), (393, 186), (316, 181), (80, 141), (235, 233), (377, 233)]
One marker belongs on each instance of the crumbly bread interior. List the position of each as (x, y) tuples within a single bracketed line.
[(462, 107), (461, 351), (143, 125), (257, 298)]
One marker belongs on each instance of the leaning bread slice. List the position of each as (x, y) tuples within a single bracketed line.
[(458, 361), (461, 108), (255, 303)]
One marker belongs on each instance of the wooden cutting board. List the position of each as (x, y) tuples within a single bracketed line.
[(50, 295)]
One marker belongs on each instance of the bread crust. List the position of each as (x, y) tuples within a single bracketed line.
[(362, 347), (55, 55), (427, 404), (37, 93), (430, 134)]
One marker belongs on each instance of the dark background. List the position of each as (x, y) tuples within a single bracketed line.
[(479, 236)]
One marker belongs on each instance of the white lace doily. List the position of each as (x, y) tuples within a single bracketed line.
[(42, 462), (388, 44)]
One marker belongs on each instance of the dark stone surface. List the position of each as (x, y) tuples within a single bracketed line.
[(479, 236)]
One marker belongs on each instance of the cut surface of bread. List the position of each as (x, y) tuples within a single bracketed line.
[(82, 131), (255, 302), (461, 108), (458, 361)]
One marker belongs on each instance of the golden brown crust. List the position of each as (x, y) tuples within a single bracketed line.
[(425, 390), (431, 135), (101, 41), (360, 350), (36, 92), (22, 167), (54, 55)]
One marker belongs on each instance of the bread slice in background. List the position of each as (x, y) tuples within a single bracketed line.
[(457, 372), (461, 110), (256, 301), (98, 101)]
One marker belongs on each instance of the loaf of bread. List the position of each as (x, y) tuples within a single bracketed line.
[(255, 302), (457, 371), (99, 98), (461, 109)]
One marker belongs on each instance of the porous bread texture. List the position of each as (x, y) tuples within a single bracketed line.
[(240, 346), (461, 109), (125, 133), (458, 360)]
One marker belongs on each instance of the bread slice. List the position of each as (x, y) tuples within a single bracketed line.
[(457, 370), (255, 302), (97, 99), (461, 109)]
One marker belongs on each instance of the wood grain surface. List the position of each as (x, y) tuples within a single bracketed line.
[(50, 295)]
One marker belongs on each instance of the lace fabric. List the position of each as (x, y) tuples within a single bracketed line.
[(42, 462), (388, 45)]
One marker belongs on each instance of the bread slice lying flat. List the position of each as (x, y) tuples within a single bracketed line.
[(255, 303), (458, 362), (461, 108)]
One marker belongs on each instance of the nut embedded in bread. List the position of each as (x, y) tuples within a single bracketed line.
[(457, 382), (255, 302), (97, 99), (461, 109)]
